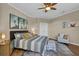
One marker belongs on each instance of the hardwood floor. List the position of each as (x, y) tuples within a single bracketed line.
[(17, 52), (73, 48)]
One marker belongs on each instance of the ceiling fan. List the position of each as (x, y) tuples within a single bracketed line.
[(48, 6)]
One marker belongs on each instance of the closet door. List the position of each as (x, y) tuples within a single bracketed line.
[(43, 29)]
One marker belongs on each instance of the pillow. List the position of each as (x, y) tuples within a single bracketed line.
[(65, 37), (18, 35), (26, 36)]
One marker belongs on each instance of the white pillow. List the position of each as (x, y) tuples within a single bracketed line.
[(18, 35)]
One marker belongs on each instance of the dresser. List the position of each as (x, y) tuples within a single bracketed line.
[(5, 48)]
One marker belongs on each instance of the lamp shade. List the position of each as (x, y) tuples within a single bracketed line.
[(33, 30), (2, 36)]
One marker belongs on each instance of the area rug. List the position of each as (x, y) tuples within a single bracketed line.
[(31, 53), (62, 50)]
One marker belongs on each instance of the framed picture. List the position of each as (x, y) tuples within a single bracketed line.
[(22, 23), (13, 22), (17, 22), (66, 24)]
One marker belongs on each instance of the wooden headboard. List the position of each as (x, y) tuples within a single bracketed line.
[(12, 34)]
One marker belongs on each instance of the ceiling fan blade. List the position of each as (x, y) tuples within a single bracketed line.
[(54, 4), (53, 8), (50, 4), (42, 8), (45, 3)]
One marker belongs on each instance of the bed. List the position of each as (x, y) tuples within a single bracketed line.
[(35, 43)]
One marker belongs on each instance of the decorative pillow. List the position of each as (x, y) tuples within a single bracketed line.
[(18, 35), (26, 36), (65, 37)]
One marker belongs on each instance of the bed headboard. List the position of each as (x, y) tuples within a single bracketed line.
[(12, 34)]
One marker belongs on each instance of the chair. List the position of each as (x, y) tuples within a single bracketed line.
[(63, 38)]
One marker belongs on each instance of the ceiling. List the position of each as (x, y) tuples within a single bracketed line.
[(31, 9)]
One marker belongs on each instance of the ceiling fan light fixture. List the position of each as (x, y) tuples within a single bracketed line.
[(48, 8)]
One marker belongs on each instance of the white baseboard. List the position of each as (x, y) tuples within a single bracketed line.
[(74, 43)]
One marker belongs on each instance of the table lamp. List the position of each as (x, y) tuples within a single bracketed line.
[(2, 38), (33, 31)]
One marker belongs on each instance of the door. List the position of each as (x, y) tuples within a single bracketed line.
[(43, 29)]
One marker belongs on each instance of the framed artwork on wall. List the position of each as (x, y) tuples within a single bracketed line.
[(22, 23), (70, 24), (13, 22), (17, 22), (64, 24)]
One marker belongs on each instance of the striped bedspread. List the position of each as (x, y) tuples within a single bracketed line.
[(35, 44)]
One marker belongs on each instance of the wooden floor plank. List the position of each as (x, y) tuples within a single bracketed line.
[(74, 49), (17, 52)]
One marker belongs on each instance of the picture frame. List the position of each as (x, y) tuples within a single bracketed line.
[(14, 22), (65, 24), (22, 23)]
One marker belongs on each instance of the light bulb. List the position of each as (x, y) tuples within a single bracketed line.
[(47, 8), (3, 36)]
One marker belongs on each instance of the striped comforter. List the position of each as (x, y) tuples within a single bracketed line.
[(35, 44)]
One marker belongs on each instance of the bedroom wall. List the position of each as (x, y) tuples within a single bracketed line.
[(0, 17), (6, 9), (35, 23), (55, 27)]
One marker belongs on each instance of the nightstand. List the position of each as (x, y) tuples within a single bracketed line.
[(5, 48)]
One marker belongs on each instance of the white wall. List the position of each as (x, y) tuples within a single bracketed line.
[(5, 11), (43, 29), (56, 26)]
